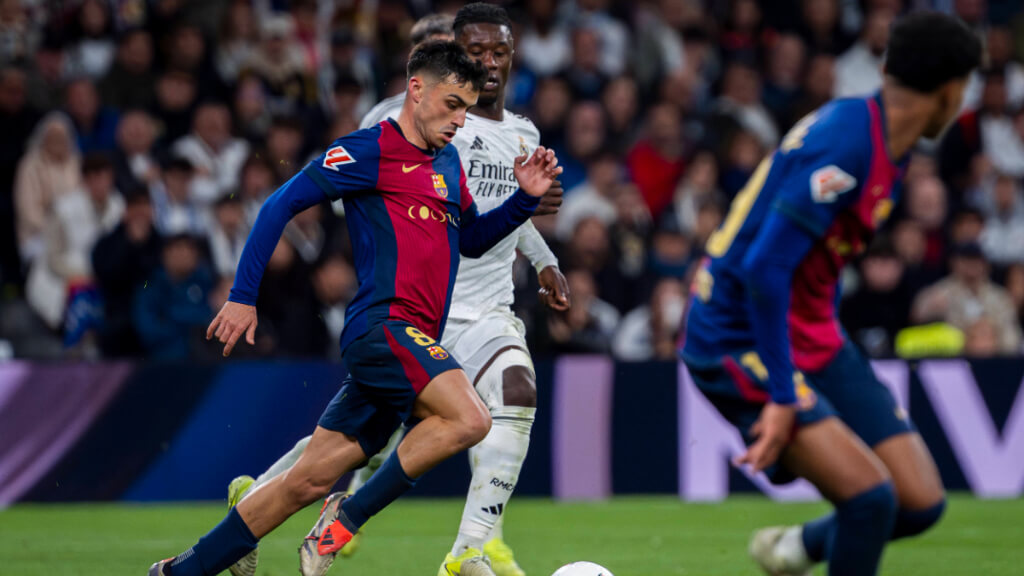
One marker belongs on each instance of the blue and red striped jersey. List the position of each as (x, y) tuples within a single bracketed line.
[(808, 209), (409, 215)]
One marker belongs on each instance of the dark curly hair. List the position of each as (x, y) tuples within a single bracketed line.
[(928, 49)]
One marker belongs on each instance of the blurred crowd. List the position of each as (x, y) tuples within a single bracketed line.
[(140, 137)]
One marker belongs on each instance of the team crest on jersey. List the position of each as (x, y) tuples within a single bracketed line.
[(523, 148), (829, 182), (437, 353), (805, 397), (337, 156), (881, 212), (439, 185)]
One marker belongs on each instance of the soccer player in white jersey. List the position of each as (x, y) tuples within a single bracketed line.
[(482, 332)]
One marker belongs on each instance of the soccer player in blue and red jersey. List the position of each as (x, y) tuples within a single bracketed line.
[(763, 342), (408, 229)]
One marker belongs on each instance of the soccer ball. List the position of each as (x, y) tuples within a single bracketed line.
[(582, 569)]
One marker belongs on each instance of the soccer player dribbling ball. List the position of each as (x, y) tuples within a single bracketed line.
[(408, 229), (763, 342)]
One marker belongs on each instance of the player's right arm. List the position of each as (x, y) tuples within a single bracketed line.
[(823, 180), (349, 165)]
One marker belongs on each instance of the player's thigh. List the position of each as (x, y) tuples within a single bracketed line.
[(914, 474), (328, 455), (451, 396), (494, 353), (832, 458)]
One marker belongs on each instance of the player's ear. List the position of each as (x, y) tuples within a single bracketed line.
[(415, 89)]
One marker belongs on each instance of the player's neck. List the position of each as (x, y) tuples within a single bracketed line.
[(409, 131), (904, 121), (493, 111)]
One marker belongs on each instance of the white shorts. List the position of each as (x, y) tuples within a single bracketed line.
[(475, 344)]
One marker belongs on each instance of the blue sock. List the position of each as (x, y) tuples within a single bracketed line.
[(913, 522), (228, 542), (863, 526), (817, 534), (383, 488)]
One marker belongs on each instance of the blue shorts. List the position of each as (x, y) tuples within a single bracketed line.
[(846, 388), (387, 368)]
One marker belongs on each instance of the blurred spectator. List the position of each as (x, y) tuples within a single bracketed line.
[(543, 46), (592, 198), (981, 340), (49, 170), (858, 71), (1003, 236), (588, 326), (174, 210), (289, 313), (134, 160), (967, 227), (280, 64), (710, 214), (1000, 140), (629, 235), (621, 101), (656, 163), (698, 187), (613, 35), (672, 252), (186, 50), (910, 244), (214, 153), (18, 35), (228, 232), (660, 50), (351, 60), (999, 48), (130, 81), (122, 260), (927, 204), (344, 104), (95, 124), (284, 146), (1015, 288), (236, 43), (741, 100), (551, 104), (45, 78), (743, 153), (584, 72), (175, 99), (79, 219), (251, 115), (740, 35), (880, 306), (821, 26), (650, 332), (335, 284), (17, 118), (306, 235), (257, 182), (585, 134), (817, 89), (171, 312), (785, 74), (92, 50), (968, 295)]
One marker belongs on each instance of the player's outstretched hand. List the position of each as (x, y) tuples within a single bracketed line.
[(232, 321), (537, 175), (550, 201), (771, 431), (554, 289)]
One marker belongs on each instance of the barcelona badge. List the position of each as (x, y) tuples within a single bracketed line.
[(437, 353), (439, 185)]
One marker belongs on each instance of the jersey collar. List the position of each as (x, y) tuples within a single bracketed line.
[(398, 129)]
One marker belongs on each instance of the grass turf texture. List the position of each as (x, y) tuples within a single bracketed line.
[(631, 536)]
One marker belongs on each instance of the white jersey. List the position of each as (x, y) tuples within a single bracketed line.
[(487, 149)]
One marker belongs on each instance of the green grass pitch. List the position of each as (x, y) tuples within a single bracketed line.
[(631, 536)]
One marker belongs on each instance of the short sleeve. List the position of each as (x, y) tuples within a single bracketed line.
[(350, 164), (824, 160)]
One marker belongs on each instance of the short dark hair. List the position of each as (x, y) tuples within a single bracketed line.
[(96, 162), (443, 59), (136, 193), (928, 49), (430, 25), (480, 13)]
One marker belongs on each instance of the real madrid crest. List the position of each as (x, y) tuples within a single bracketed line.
[(523, 150)]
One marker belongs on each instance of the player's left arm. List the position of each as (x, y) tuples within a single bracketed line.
[(478, 233), (554, 289)]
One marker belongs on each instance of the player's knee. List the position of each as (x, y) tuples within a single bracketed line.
[(878, 503), (473, 428), (519, 387), (913, 522)]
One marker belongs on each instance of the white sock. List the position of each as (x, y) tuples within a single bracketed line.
[(283, 463), (496, 462), (499, 529), (362, 475)]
